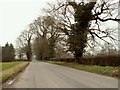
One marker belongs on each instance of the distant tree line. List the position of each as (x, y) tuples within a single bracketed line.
[(0, 53), (8, 53)]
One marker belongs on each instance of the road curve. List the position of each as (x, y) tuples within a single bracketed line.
[(44, 75)]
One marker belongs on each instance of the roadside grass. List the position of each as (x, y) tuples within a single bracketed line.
[(12, 69), (7, 65), (107, 70)]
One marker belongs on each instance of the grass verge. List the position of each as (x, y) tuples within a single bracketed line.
[(107, 70), (11, 71), (7, 65)]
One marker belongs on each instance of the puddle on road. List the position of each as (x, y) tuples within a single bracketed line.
[(9, 82)]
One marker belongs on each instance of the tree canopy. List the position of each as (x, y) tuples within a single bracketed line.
[(73, 25)]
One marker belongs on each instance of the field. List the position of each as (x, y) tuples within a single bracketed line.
[(107, 70), (9, 69), (7, 65)]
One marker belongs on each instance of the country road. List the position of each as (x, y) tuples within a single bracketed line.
[(44, 75)]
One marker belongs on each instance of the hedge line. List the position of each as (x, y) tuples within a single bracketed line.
[(14, 60), (22, 60), (108, 60)]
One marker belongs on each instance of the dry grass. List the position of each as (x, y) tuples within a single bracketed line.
[(6, 74), (7, 65), (103, 70)]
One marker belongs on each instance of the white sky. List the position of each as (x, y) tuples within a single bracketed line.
[(15, 15)]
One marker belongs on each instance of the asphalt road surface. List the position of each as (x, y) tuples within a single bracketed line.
[(44, 75)]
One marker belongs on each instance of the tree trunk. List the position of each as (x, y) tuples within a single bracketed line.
[(78, 55), (29, 52)]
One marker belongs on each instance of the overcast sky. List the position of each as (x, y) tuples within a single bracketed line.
[(15, 15)]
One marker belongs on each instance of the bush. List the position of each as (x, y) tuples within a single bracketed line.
[(22, 60), (108, 60)]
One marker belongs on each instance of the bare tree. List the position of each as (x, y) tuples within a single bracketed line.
[(24, 41), (40, 45), (47, 31), (80, 20)]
